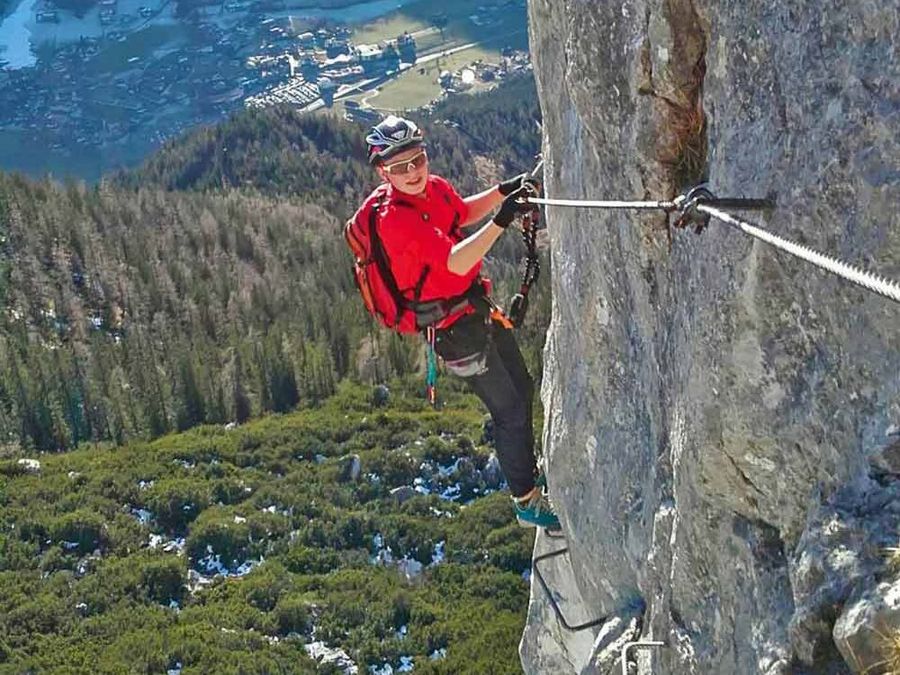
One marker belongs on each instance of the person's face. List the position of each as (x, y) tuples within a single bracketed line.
[(407, 171)]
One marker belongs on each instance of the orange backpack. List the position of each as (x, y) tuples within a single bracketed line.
[(372, 272)]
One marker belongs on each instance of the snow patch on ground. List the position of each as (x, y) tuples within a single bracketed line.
[(406, 666), (30, 465), (170, 546), (451, 493), (459, 481), (212, 563), (408, 567), (333, 656), (438, 556), (212, 567)]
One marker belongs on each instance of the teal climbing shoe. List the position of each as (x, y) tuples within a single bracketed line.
[(537, 512)]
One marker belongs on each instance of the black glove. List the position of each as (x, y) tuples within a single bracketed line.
[(509, 186), (513, 205)]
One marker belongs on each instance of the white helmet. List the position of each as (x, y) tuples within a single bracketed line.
[(390, 136)]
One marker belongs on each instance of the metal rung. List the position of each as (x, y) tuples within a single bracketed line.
[(640, 644), (556, 609)]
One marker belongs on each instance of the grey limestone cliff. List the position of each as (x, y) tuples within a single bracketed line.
[(720, 416)]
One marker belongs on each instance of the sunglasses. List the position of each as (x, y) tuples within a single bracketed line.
[(407, 165)]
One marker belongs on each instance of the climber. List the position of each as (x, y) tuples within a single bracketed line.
[(416, 220)]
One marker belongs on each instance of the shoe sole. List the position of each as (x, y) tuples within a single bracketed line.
[(552, 531)]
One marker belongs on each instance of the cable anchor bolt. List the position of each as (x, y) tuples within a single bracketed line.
[(688, 213), (686, 207)]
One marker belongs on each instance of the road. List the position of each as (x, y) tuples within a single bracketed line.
[(445, 52)]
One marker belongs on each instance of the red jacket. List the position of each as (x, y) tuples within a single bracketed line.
[(419, 231)]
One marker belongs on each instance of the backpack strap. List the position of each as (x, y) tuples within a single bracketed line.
[(379, 255)]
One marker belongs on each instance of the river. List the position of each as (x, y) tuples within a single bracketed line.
[(15, 45), (358, 13), (18, 28)]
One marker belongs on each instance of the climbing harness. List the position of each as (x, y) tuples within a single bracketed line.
[(519, 303), (699, 205)]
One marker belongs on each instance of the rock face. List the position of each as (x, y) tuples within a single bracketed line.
[(713, 404), (878, 608)]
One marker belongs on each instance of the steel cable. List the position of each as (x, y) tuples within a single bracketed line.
[(885, 287)]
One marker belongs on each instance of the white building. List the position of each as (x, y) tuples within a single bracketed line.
[(369, 53)]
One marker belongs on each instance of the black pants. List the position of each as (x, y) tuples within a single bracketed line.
[(502, 382)]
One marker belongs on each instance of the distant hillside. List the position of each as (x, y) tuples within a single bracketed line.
[(211, 285), (132, 314), (277, 151)]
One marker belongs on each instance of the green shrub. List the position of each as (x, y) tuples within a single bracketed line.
[(12, 469), (439, 451), (164, 578), (176, 502), (228, 491), (217, 531), (117, 487), (84, 528), (248, 441), (293, 615), (16, 554), (415, 537), (510, 548), (32, 528), (264, 588), (54, 559), (44, 615), (394, 467), (402, 608)]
